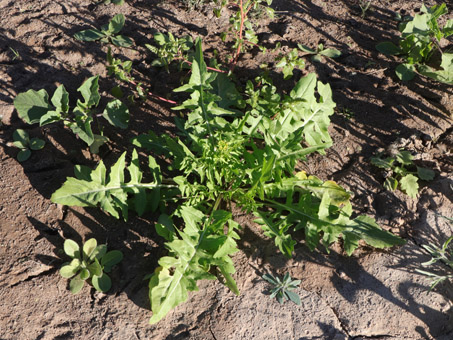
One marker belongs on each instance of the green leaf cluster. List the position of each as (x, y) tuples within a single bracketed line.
[(111, 191), (167, 48), (22, 140), (232, 148), (283, 289), (320, 52), (443, 254), (420, 39), (34, 107), (91, 262), (107, 33), (399, 172)]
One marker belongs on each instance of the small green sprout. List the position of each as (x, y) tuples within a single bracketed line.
[(90, 262), (320, 52), (398, 172), (289, 62), (443, 254), (25, 144), (108, 33), (420, 40), (364, 7), (283, 289)]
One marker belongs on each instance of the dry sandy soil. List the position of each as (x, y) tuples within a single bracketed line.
[(370, 295)]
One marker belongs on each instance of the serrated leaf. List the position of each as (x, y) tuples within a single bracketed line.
[(409, 184), (110, 193), (117, 114), (32, 105), (404, 157), (367, 229)]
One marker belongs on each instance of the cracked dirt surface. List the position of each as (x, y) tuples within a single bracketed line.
[(371, 295)]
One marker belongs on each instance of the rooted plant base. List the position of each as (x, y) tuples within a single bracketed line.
[(372, 294)]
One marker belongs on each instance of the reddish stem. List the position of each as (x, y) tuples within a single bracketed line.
[(155, 96)]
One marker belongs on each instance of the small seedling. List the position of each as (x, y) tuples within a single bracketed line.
[(320, 52), (398, 173), (420, 39), (16, 53), (25, 144), (90, 262), (443, 254), (289, 62), (364, 7), (108, 33), (283, 289)]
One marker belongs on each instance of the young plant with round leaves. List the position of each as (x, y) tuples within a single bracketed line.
[(108, 33), (25, 144), (320, 52), (420, 39), (282, 290), (34, 107), (399, 172), (91, 262)]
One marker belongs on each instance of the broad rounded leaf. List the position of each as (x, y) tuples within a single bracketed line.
[(95, 269), (76, 284), (90, 91), (32, 105), (110, 259), (425, 174), (117, 114), (101, 283), (116, 24), (409, 185), (122, 41), (21, 138), (71, 248), (293, 297), (37, 144), (68, 271), (99, 252), (23, 155), (331, 53), (84, 274), (89, 247), (405, 72), (388, 48), (89, 35), (60, 99)]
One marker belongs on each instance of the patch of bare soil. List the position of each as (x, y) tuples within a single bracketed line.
[(373, 294)]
